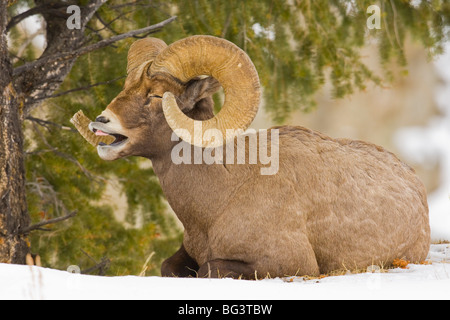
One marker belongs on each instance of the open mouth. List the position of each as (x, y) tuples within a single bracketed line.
[(118, 138)]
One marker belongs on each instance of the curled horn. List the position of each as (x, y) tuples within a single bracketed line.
[(141, 54), (228, 64)]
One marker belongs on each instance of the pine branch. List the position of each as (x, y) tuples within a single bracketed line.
[(48, 124), (102, 266), (80, 89), (84, 50), (54, 7), (38, 226)]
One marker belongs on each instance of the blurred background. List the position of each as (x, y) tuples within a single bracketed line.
[(320, 67)]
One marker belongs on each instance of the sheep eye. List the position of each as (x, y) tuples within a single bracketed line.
[(149, 98)]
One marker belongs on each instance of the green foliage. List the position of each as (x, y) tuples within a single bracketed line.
[(296, 46)]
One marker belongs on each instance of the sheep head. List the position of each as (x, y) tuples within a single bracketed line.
[(166, 90)]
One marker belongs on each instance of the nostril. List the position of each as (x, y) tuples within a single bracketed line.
[(102, 119)]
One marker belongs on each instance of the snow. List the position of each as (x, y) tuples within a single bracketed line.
[(428, 281)]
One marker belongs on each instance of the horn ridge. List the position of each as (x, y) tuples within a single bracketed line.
[(228, 64), (143, 51)]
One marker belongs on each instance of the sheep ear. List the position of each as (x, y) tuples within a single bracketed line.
[(198, 89)]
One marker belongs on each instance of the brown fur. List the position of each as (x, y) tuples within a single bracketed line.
[(334, 203)]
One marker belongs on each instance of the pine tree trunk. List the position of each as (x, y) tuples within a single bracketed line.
[(13, 207)]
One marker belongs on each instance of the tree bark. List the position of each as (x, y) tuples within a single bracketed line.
[(13, 206)]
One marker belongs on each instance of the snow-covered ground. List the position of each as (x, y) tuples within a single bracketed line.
[(428, 281)]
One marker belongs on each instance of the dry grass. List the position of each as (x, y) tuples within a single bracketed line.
[(441, 242), (401, 263), (145, 266), (397, 263)]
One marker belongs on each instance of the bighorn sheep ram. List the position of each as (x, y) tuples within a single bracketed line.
[(333, 204)]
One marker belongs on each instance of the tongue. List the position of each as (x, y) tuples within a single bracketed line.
[(100, 133)]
